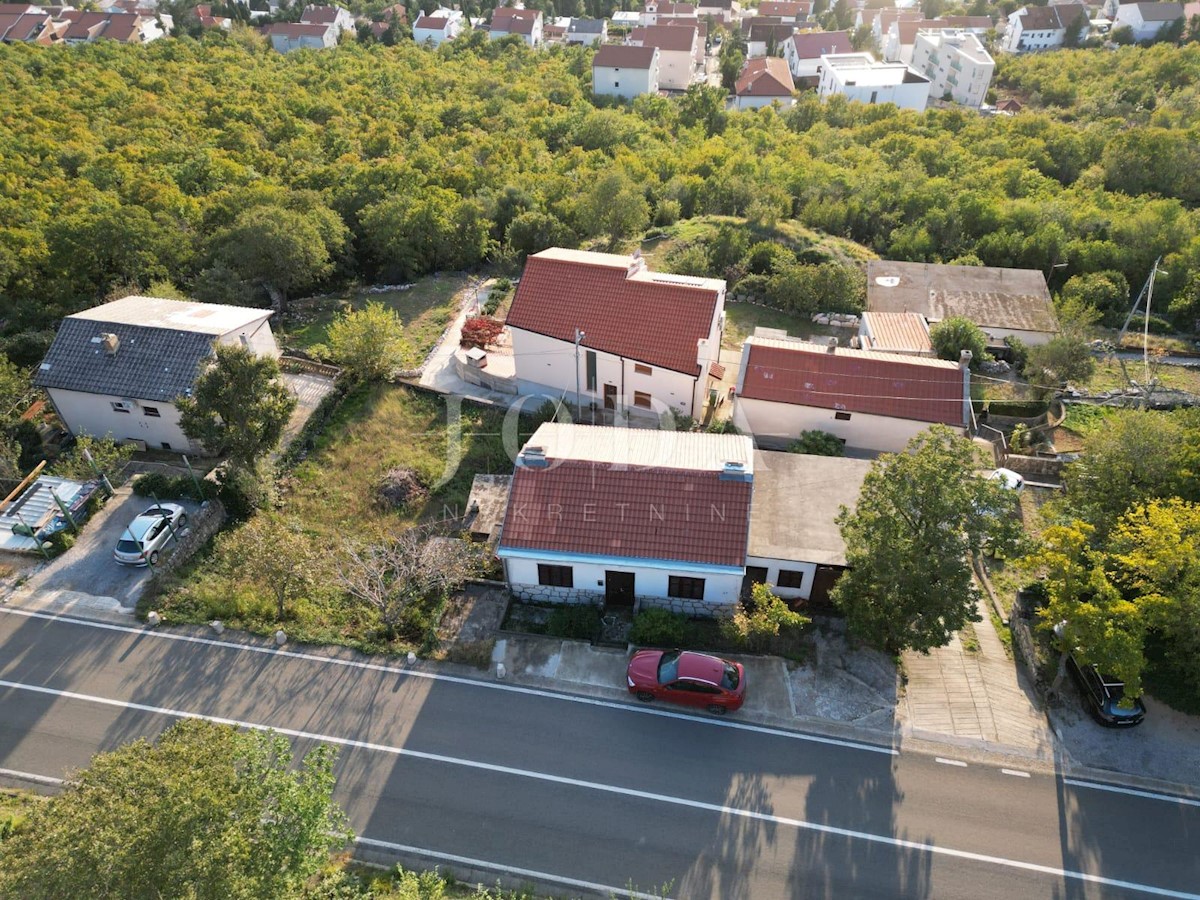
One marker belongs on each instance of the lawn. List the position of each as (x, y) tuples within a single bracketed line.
[(742, 318), (425, 309)]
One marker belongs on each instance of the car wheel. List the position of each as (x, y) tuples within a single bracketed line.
[(182, 520), (153, 557), (645, 696), (717, 710)]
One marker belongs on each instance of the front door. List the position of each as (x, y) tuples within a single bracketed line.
[(610, 396), (618, 589), (754, 575), (825, 578)]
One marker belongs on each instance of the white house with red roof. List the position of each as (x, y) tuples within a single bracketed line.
[(631, 341), (655, 13), (437, 27), (288, 36), (527, 23), (339, 18), (804, 51), (790, 12), (764, 80), (619, 71), (870, 400), (678, 49)]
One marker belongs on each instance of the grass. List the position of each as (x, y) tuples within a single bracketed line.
[(1002, 631), (15, 806), (742, 318), (1110, 377), (425, 309), (969, 639)]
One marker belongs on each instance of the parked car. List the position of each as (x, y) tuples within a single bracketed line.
[(693, 679), (1008, 479), (1102, 694), (146, 535)]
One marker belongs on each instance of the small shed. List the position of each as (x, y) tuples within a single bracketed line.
[(30, 514), (486, 506)]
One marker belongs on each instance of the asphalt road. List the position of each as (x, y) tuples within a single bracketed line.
[(605, 793)]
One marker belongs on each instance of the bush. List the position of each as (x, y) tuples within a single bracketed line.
[(575, 622), (658, 628), (953, 335), (401, 488), (243, 492), (61, 542), (1018, 353), (818, 443), (170, 487), (761, 619)]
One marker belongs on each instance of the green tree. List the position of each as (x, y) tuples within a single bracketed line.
[(762, 618), (107, 455), (369, 343), (14, 391), (239, 406), (1060, 361), (954, 334), (532, 232), (616, 207), (1107, 292), (920, 513), (818, 443), (206, 811), (277, 554), (434, 230)]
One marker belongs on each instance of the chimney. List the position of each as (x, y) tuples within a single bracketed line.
[(533, 458), (245, 340), (110, 342), (831, 345), (964, 359)]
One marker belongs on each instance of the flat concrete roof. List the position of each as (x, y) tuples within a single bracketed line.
[(489, 499), (796, 501)]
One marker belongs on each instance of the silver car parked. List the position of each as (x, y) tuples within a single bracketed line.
[(146, 535)]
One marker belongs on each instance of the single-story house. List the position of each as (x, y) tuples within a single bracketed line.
[(1001, 301), (764, 80), (869, 400), (630, 341), (624, 71), (117, 369)]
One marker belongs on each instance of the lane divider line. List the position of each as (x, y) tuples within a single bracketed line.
[(641, 709), (633, 793), (1017, 772), (1133, 792), (950, 762)]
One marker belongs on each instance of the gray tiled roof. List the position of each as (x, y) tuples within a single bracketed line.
[(150, 363)]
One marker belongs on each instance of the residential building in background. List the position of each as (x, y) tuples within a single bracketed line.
[(288, 36), (527, 23), (860, 77), (678, 48), (804, 51), (957, 65), (624, 71), (341, 19), (1033, 28), (658, 13), (587, 31), (766, 38), (1146, 20), (764, 80), (789, 12), (440, 26)]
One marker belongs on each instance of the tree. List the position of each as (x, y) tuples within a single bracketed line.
[(109, 457), (761, 618), (703, 104), (369, 344), (413, 568), (239, 406), (1107, 292), (615, 207), (277, 554), (14, 391), (818, 443), (1058, 362), (206, 811), (955, 334), (919, 515), (731, 67)]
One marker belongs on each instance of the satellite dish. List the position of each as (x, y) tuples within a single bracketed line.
[(887, 280)]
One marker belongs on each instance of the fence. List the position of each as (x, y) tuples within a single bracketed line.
[(298, 365)]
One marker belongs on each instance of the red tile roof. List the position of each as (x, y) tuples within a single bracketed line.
[(319, 15), (296, 29), (644, 316), (664, 37), (765, 76), (817, 43), (786, 8), (614, 56), (578, 506), (514, 21), (864, 381)]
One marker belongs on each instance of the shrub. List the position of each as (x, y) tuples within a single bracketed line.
[(953, 335), (61, 542), (722, 426), (760, 619), (170, 487), (575, 622), (243, 491), (818, 443), (658, 628), (1018, 351), (481, 331)]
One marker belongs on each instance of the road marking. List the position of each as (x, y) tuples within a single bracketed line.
[(949, 762), (606, 890), (1134, 792), (454, 679), (1016, 772), (30, 776), (701, 805)]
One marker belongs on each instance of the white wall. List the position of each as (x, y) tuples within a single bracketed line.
[(258, 337), (93, 414), (774, 565), (766, 419), (676, 69), (906, 96), (759, 102), (720, 587), (1032, 338), (624, 82)]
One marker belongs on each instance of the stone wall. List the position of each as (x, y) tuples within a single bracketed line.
[(202, 525), (544, 593), (691, 608), (1034, 465)]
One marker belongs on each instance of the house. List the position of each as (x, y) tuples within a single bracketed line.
[(858, 76), (764, 80), (341, 19), (767, 38), (395, 13), (701, 39), (555, 31), (1146, 20), (658, 13), (443, 25), (723, 11), (79, 27), (869, 400), (789, 12), (508, 20), (26, 27), (957, 65), (804, 51), (1009, 106), (626, 18), (1002, 302), (677, 53), (882, 20), (632, 342), (208, 20), (1044, 27), (288, 36), (118, 368), (894, 332), (587, 31), (902, 35), (624, 71)]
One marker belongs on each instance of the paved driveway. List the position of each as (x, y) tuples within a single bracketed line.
[(86, 577)]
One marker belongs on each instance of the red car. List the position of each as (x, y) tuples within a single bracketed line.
[(694, 679)]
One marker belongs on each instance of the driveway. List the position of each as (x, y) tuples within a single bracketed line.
[(86, 578)]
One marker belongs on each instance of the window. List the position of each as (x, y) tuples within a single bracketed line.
[(121, 406), (166, 446), (642, 399), (842, 416), (591, 370), (555, 576), (790, 578), (642, 370), (151, 411), (685, 588)]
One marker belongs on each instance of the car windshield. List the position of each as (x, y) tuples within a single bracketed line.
[(128, 547), (668, 667), (729, 680)]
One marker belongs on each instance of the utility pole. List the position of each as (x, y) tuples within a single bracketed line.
[(579, 336)]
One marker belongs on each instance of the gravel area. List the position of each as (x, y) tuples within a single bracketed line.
[(841, 683)]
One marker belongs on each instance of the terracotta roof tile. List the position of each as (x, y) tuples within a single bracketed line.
[(575, 506), (765, 76), (817, 43), (514, 21), (786, 8), (652, 318), (614, 56), (882, 384), (664, 37)]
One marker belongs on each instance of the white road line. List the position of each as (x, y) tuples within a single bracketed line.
[(1133, 792), (949, 762), (604, 889), (1016, 772), (453, 679), (30, 776), (800, 824)]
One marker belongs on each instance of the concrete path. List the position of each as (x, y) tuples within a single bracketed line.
[(309, 390), (979, 696)]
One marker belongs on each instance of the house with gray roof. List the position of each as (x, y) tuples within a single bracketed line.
[(117, 369), (592, 32)]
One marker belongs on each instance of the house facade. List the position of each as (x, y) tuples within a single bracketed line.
[(869, 400), (1033, 28), (527, 23), (655, 13), (767, 38), (443, 25), (804, 51), (288, 36), (858, 76), (725, 12), (624, 71), (677, 53), (956, 64), (764, 81), (341, 19), (790, 12), (117, 369), (633, 343), (1146, 20), (592, 32)]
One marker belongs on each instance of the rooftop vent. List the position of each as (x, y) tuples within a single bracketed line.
[(111, 343), (735, 471), (831, 345), (533, 458)]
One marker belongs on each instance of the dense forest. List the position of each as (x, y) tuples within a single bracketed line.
[(240, 175)]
